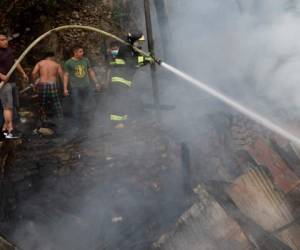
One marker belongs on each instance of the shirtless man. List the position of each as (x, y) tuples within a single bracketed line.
[(48, 70)]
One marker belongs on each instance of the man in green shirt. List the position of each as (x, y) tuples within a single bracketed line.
[(78, 73)]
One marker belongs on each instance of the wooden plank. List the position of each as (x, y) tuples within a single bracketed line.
[(5, 245)]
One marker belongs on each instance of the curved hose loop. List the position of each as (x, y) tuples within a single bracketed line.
[(40, 38)]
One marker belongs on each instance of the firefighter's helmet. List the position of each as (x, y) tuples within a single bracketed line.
[(142, 38), (132, 37)]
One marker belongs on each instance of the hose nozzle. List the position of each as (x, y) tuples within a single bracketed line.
[(157, 60)]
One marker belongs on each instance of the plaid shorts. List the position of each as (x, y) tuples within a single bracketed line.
[(49, 100)]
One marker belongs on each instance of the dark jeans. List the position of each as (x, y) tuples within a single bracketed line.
[(83, 102)]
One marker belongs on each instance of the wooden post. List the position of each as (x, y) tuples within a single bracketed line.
[(153, 66), (164, 24), (186, 168)]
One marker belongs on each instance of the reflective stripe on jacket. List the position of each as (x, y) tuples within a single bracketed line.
[(117, 79), (118, 117)]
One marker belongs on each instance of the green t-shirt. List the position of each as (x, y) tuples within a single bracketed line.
[(78, 72)]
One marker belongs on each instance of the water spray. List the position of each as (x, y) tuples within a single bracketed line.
[(234, 104), (211, 91)]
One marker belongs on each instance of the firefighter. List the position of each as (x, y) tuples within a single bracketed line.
[(124, 103)]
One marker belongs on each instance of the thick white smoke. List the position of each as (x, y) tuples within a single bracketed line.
[(242, 47)]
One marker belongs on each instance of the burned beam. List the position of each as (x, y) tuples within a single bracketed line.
[(163, 21), (186, 168), (5, 245), (155, 87)]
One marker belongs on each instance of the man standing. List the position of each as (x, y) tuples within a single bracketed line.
[(48, 89), (9, 92), (124, 102), (78, 73)]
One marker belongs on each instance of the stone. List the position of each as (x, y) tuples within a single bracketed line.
[(120, 126), (75, 14), (117, 219), (46, 131)]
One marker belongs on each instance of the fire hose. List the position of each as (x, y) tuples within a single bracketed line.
[(40, 38), (204, 87)]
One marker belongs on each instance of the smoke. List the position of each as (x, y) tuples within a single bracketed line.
[(248, 49)]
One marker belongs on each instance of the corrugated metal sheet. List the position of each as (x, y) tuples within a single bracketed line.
[(256, 196), (264, 155)]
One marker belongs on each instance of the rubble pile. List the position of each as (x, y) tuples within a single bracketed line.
[(246, 195), (246, 177), (205, 225), (128, 179), (127, 187)]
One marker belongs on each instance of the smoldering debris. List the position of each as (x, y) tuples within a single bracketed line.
[(125, 189), (204, 226), (250, 194), (121, 193)]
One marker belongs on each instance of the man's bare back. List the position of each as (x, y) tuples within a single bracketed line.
[(47, 70)]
